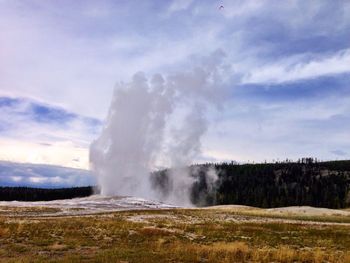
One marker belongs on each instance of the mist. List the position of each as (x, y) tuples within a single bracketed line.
[(156, 122)]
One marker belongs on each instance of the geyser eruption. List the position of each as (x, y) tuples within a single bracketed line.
[(156, 122)]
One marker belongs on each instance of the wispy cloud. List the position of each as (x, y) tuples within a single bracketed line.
[(39, 133), (293, 70), (178, 5)]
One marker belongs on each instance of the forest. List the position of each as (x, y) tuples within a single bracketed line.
[(304, 182), (42, 194)]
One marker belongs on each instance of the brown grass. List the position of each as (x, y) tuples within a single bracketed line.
[(176, 236)]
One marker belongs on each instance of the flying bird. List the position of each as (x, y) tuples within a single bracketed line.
[(221, 7)]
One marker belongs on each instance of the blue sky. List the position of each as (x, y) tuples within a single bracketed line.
[(289, 73)]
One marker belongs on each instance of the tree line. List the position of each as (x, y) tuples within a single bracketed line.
[(305, 182), (42, 194)]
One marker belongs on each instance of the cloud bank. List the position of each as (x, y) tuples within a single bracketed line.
[(35, 132), (35, 175)]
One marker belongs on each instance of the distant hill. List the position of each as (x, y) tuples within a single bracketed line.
[(306, 182)]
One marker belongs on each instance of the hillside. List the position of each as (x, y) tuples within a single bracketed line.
[(303, 183)]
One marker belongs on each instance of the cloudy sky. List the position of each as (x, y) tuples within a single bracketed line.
[(289, 76)]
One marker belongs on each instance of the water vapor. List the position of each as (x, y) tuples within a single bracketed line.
[(157, 121)]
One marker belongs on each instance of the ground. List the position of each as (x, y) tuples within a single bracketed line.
[(218, 234)]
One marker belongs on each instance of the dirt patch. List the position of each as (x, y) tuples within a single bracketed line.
[(308, 210), (148, 218), (233, 207)]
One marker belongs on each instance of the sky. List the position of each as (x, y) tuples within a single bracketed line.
[(288, 77)]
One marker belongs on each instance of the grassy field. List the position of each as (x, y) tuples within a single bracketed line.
[(178, 235)]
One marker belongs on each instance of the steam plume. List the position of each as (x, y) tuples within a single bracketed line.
[(157, 121)]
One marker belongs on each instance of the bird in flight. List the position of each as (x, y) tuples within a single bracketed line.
[(221, 7)]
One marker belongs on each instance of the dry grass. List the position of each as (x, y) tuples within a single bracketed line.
[(170, 236), (34, 210), (264, 213), (241, 252)]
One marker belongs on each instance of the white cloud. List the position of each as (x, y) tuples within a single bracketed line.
[(60, 138), (285, 71), (37, 175), (235, 9), (63, 154), (16, 178), (178, 5), (275, 130), (37, 180)]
